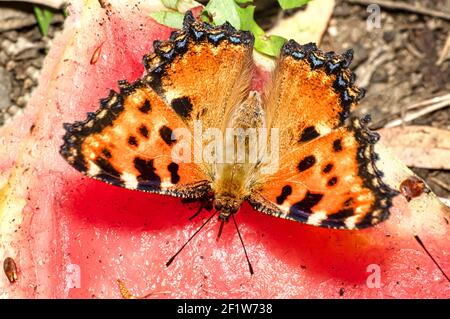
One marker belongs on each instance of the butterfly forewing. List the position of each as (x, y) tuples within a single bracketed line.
[(310, 94)]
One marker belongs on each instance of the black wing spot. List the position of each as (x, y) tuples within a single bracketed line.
[(342, 214), (332, 181), (306, 163), (173, 169), (132, 140), (348, 202), (337, 145), (182, 106), (301, 210), (144, 131), (309, 134), (106, 152), (147, 172), (106, 167), (328, 168), (146, 107), (166, 134), (108, 173), (285, 192)]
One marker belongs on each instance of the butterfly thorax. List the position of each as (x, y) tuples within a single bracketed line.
[(229, 190)]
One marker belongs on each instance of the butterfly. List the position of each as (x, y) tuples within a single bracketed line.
[(326, 173)]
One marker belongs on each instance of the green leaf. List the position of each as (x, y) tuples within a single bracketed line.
[(171, 4), (222, 11), (171, 19), (205, 17), (248, 23), (269, 45), (290, 4), (44, 18)]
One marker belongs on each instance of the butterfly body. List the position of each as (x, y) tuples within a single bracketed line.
[(292, 151), (236, 180)]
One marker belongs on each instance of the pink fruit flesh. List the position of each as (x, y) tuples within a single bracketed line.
[(71, 223)]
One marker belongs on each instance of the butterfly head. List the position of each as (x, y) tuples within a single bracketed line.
[(226, 206)]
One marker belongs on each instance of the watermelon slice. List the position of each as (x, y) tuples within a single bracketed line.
[(73, 237)]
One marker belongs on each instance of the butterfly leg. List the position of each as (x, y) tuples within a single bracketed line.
[(204, 203)]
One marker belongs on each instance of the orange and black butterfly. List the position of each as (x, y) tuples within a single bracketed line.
[(326, 174)]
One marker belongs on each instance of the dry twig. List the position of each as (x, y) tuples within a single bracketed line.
[(56, 4), (428, 106), (414, 115), (444, 53), (377, 58), (440, 183), (395, 5)]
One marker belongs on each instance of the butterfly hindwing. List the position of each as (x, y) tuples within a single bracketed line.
[(128, 142), (331, 181), (327, 175)]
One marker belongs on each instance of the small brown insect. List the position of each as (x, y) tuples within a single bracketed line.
[(412, 187), (10, 269), (96, 54)]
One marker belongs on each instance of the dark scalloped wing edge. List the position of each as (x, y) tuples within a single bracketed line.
[(196, 31), (331, 63), (372, 176), (111, 107), (367, 169)]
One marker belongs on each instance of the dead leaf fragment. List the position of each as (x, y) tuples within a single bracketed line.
[(419, 146), (307, 25)]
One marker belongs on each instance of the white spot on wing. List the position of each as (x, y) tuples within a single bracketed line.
[(102, 114), (350, 222), (171, 94), (130, 180), (118, 130), (316, 218), (93, 169), (165, 184)]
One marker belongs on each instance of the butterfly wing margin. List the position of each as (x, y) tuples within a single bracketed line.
[(128, 142), (202, 71), (315, 90), (331, 182)]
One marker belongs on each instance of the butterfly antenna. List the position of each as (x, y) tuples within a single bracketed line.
[(187, 242), (220, 229), (243, 246), (432, 258)]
